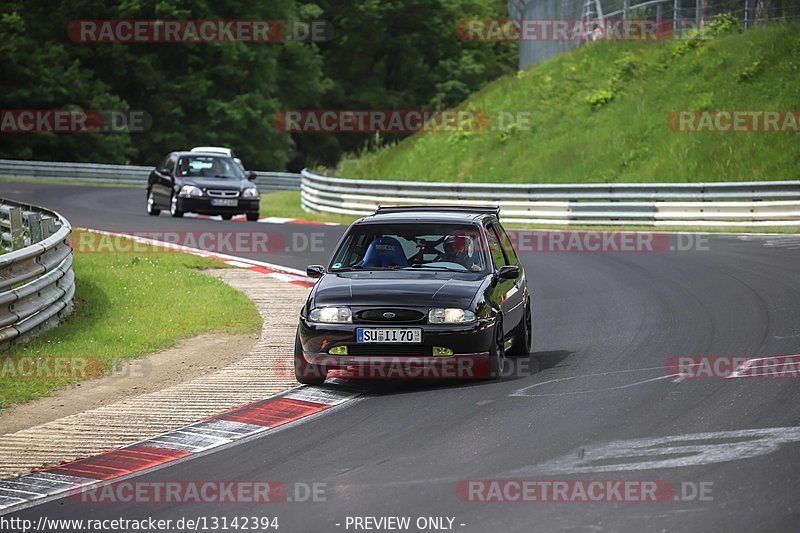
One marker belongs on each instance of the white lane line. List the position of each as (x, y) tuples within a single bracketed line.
[(240, 264), (523, 391)]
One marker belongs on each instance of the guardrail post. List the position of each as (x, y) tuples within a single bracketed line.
[(17, 228), (748, 11), (48, 228), (698, 13), (34, 223)]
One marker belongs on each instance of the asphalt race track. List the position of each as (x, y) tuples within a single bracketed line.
[(596, 401)]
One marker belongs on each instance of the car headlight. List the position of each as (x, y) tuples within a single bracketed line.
[(190, 190), (252, 192), (449, 315), (331, 314)]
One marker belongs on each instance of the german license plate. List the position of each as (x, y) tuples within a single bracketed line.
[(224, 202), (389, 335)]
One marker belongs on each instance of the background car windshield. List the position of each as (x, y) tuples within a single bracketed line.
[(425, 246), (207, 166)]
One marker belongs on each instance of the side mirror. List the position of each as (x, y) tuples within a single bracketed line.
[(508, 272), (315, 271), (252, 176)]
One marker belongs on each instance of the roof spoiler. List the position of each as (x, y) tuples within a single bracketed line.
[(476, 209)]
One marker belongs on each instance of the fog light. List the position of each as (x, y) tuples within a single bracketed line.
[(439, 351), (338, 350)]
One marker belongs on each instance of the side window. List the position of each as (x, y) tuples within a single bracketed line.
[(498, 257), (507, 246), (168, 164)]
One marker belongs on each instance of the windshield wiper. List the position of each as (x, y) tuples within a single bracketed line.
[(436, 267), (360, 268)]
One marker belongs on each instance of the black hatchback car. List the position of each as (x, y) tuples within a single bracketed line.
[(205, 183), (416, 292)]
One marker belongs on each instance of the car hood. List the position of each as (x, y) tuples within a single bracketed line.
[(387, 289), (214, 183)]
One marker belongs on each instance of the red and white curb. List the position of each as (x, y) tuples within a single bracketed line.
[(281, 273), (202, 436), (222, 429), (264, 220)]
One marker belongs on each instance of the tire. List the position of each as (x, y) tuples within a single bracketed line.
[(497, 358), (522, 337), (151, 205), (305, 372), (226, 217), (252, 217), (173, 207)]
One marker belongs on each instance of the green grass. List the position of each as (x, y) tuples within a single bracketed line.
[(286, 204), (128, 305), (626, 139)]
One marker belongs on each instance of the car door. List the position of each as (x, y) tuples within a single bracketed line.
[(507, 293), (520, 290), (163, 180)]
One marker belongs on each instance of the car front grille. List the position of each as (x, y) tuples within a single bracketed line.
[(218, 193), (389, 350), (381, 316)]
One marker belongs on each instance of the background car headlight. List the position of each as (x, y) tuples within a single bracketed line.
[(190, 190), (250, 193), (331, 314), (449, 316)]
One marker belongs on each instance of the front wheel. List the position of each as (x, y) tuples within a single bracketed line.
[(226, 217), (522, 338), (151, 204), (173, 207), (497, 358), (252, 217), (305, 372)]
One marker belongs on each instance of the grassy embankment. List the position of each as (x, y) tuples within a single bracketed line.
[(128, 305), (601, 114)]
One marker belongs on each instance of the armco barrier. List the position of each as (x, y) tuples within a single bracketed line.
[(768, 203), (120, 174), (37, 282)]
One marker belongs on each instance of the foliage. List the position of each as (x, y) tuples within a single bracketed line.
[(383, 55)]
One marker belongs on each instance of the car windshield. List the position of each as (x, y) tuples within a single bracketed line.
[(208, 166), (446, 247)]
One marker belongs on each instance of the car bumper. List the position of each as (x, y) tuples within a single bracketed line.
[(204, 207), (471, 345)]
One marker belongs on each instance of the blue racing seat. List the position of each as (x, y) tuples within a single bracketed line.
[(385, 252)]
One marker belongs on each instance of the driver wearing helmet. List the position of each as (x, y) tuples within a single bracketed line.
[(458, 249)]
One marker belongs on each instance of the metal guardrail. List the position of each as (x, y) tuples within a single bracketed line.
[(120, 174), (37, 283), (768, 203)]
